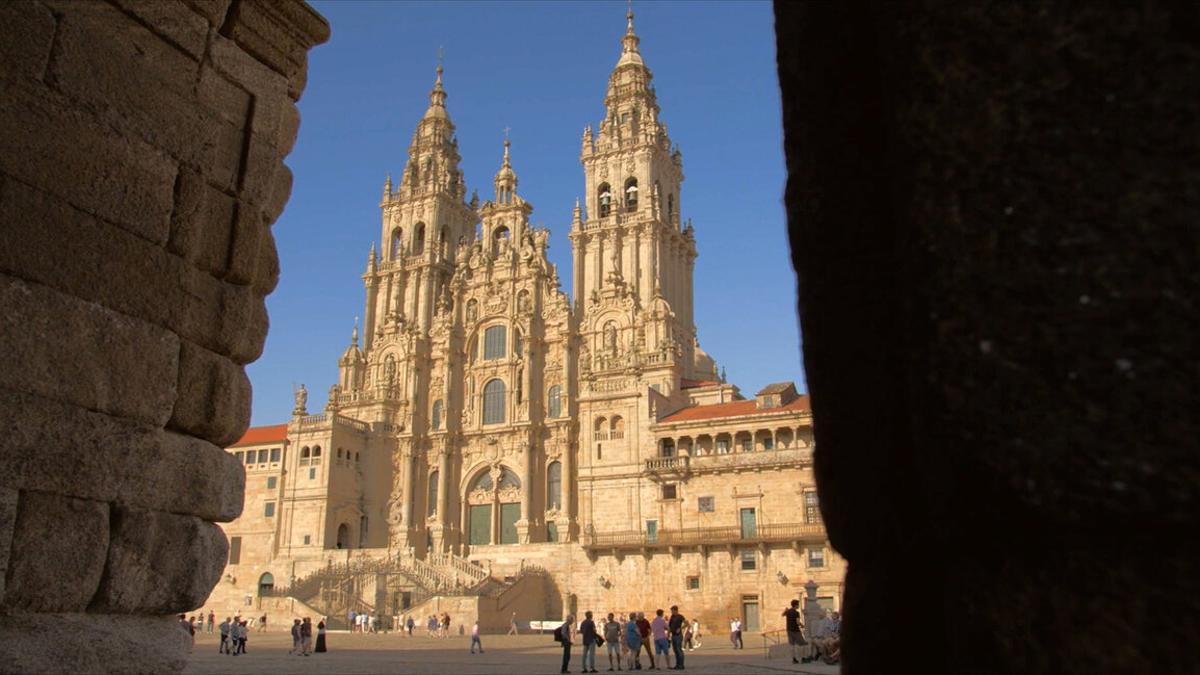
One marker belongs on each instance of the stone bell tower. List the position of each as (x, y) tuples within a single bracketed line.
[(633, 256)]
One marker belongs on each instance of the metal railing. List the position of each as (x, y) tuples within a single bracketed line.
[(667, 464), (707, 536)]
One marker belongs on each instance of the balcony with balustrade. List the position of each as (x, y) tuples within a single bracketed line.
[(705, 537)]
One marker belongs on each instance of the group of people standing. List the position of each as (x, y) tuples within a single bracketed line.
[(233, 636), (302, 637), (823, 641), (627, 637)]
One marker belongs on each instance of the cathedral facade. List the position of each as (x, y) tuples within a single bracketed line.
[(493, 444)]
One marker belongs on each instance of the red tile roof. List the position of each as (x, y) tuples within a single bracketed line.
[(274, 433), (685, 383), (733, 409)]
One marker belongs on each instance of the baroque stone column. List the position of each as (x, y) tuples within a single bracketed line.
[(141, 167)]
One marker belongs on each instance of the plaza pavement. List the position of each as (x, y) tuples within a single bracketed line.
[(516, 655)]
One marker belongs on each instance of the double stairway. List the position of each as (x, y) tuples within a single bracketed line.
[(337, 589)]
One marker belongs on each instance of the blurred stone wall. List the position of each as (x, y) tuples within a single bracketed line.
[(141, 148), (995, 222)]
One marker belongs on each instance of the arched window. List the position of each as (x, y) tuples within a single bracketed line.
[(340, 453), (418, 246), (499, 237), (554, 486), (493, 402), (618, 428), (668, 447), (397, 247), (305, 453), (554, 402), (343, 536), (604, 194), (444, 242), (493, 343), (316, 451), (266, 583), (438, 406), (483, 482), (631, 194), (432, 505), (600, 431)]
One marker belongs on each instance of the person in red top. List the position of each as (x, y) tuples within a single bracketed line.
[(644, 629)]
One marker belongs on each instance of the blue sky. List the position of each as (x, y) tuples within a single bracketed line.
[(540, 68)]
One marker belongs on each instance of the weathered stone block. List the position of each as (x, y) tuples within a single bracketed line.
[(144, 87), (61, 347), (201, 223), (247, 241), (279, 34), (229, 101), (267, 273), (213, 11), (280, 192), (262, 163), (214, 396), (74, 253), (59, 545), (84, 162), (60, 448), (92, 643), (159, 563), (8, 521), (228, 59), (173, 20), (28, 35), (210, 483)]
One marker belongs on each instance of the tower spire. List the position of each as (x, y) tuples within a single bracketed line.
[(629, 43), (506, 178)]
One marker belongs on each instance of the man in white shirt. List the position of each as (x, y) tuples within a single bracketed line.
[(224, 628)]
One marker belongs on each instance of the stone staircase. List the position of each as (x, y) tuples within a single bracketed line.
[(336, 589)]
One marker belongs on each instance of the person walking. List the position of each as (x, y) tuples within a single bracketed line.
[(675, 626), (612, 637), (224, 628), (633, 642), (262, 623), (242, 631), (735, 633), (565, 635), (694, 643), (320, 637), (794, 627), (512, 625), (587, 631), (211, 618), (410, 625), (475, 638), (352, 619)]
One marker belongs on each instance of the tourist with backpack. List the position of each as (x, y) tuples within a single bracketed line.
[(566, 635)]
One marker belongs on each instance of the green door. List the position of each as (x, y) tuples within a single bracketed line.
[(481, 524), (749, 524), (651, 531), (509, 514)]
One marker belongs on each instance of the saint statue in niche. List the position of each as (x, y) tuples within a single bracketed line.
[(610, 337)]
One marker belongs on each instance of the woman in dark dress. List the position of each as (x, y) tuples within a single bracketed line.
[(320, 637)]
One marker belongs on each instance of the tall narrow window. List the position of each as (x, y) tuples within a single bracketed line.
[(235, 550), (812, 508), (432, 506), (494, 339), (397, 247), (631, 194), (554, 486), (438, 407), (668, 447), (419, 239), (493, 402), (269, 510), (554, 402), (604, 195), (274, 454)]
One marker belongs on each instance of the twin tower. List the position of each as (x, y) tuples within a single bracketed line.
[(476, 364)]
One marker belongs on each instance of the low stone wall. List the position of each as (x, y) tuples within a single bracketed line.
[(141, 148)]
